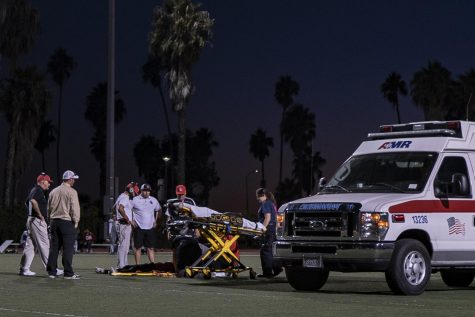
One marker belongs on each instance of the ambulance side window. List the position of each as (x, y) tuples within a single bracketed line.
[(452, 178)]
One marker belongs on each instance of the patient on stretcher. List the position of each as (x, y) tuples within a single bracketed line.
[(181, 210)]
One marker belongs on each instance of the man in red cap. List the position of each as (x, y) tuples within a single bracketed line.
[(36, 225)]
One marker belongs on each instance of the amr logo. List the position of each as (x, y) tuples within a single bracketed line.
[(395, 145)]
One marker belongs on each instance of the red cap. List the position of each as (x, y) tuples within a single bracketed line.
[(44, 177), (133, 187), (180, 190)]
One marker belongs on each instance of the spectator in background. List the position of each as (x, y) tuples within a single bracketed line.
[(89, 239)]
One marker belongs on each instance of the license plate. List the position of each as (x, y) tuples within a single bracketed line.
[(315, 262)]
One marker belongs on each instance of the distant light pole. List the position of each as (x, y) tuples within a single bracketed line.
[(166, 159), (254, 171)]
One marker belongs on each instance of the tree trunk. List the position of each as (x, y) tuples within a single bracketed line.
[(281, 147), (60, 104), (169, 130), (9, 166), (263, 177), (181, 145)]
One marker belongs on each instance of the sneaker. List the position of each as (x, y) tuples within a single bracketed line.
[(73, 277), (27, 273), (52, 276), (59, 272)]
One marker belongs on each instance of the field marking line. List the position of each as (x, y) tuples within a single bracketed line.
[(38, 312)]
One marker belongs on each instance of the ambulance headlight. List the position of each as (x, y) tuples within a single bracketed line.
[(280, 221), (373, 225)]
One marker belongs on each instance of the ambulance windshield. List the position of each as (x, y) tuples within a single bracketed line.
[(397, 172)]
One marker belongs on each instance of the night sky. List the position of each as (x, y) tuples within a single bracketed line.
[(338, 51)]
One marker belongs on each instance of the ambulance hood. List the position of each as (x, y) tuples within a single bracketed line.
[(368, 201)]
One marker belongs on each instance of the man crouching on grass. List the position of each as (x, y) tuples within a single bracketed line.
[(146, 211)]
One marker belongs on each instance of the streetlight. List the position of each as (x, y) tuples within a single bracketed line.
[(166, 159), (254, 171)]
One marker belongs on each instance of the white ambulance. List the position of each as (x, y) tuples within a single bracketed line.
[(402, 204)]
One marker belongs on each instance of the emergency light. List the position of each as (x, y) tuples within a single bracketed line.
[(418, 129)]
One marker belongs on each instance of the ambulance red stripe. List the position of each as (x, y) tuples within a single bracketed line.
[(434, 206)]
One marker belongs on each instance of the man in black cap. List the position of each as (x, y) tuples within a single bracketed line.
[(146, 211)]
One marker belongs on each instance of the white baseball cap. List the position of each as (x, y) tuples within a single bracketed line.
[(70, 174)]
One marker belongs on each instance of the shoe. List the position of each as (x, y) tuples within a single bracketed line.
[(99, 270), (59, 272), (73, 277), (52, 276), (27, 273), (277, 272), (265, 275)]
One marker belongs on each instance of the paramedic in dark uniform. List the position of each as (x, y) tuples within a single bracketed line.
[(145, 215), (37, 238), (267, 215)]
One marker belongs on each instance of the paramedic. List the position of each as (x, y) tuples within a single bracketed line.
[(267, 215)]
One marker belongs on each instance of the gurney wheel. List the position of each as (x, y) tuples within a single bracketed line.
[(252, 274), (234, 275), (206, 274), (189, 272)]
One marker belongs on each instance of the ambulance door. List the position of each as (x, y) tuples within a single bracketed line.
[(454, 209)]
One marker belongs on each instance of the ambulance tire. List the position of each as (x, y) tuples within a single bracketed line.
[(457, 278), (410, 268), (306, 279)]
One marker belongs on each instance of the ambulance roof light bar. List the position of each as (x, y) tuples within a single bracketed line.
[(419, 129)]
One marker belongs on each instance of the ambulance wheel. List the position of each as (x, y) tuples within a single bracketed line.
[(252, 274), (457, 278), (189, 272), (410, 268), (207, 274), (306, 279)]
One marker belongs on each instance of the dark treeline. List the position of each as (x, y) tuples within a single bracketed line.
[(179, 33)]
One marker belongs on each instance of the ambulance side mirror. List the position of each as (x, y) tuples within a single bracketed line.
[(460, 184), (457, 186), (321, 183)]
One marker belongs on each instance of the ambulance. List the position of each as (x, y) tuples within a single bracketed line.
[(402, 204)]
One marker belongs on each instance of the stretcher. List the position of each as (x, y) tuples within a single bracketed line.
[(221, 231)]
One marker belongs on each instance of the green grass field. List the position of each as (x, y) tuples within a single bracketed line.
[(345, 294)]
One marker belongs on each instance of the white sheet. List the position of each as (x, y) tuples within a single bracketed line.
[(205, 212)]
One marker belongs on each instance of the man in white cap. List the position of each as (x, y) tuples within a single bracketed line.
[(64, 213), (124, 217)]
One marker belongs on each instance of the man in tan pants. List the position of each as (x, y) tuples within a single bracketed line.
[(37, 238)]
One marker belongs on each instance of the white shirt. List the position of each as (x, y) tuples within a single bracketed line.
[(124, 200), (143, 211)]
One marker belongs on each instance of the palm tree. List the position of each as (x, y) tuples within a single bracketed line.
[(24, 99), (46, 136), (201, 171), (285, 89), (259, 145), (299, 131), (96, 112), (60, 66), (151, 72), (179, 33), (391, 88), (148, 158), (431, 89), (465, 96), (19, 24)]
